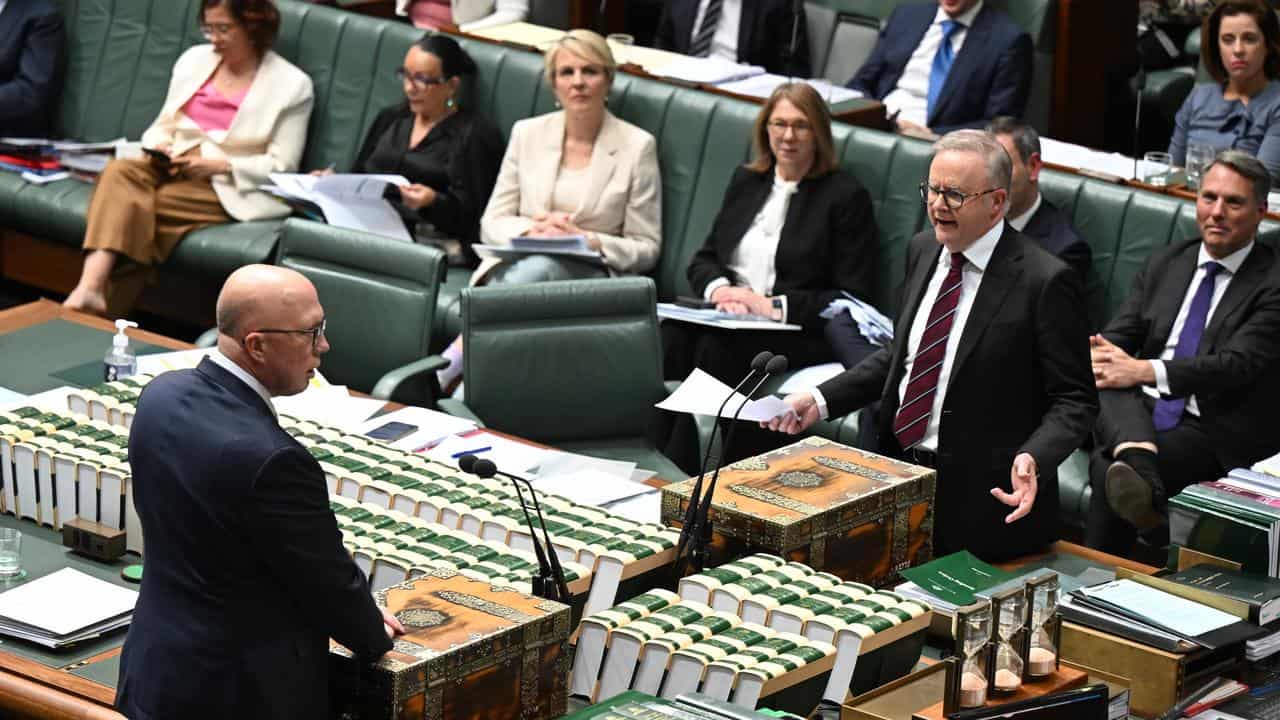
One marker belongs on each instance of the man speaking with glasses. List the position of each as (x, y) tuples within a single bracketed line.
[(987, 378), (246, 577)]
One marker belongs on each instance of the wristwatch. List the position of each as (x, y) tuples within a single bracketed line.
[(777, 308)]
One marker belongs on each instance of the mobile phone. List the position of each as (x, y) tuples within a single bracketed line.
[(158, 157), (695, 303), (392, 431)]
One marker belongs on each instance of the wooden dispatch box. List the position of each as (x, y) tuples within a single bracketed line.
[(852, 513), (471, 651)]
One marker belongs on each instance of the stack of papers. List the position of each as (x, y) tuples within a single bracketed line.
[(351, 201), (1113, 165), (428, 427), (1262, 648), (708, 70), (574, 246), (715, 318), (1270, 466), (65, 607), (872, 324), (702, 394), (762, 86), (331, 405)]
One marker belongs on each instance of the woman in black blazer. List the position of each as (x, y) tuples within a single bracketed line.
[(793, 232)]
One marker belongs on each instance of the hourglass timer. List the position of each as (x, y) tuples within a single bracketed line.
[(973, 639), (1042, 595), (1010, 611)]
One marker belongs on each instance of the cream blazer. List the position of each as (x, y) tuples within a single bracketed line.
[(471, 15), (267, 135), (622, 204)]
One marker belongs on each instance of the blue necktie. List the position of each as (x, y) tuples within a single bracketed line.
[(1168, 411), (942, 61)]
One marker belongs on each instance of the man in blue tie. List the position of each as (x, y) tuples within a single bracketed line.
[(1189, 368), (947, 65)]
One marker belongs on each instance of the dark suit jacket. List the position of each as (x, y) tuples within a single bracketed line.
[(1236, 375), (1050, 227), (991, 75), (1020, 382), (764, 34), (827, 244), (31, 65), (246, 576)]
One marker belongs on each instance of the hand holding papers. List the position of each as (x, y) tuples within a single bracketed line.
[(701, 394), (716, 318), (350, 201)]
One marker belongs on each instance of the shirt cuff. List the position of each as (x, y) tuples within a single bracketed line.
[(1162, 376), (784, 307), (713, 286), (821, 403)]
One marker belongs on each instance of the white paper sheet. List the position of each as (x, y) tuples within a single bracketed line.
[(509, 455), (351, 200), (557, 462), (709, 70), (646, 508), (761, 86), (432, 426), (589, 487), (65, 601), (1178, 614), (331, 405), (701, 394)]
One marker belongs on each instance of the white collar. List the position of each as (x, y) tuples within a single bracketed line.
[(1020, 222), (965, 18), (979, 253), (246, 377), (1230, 263)]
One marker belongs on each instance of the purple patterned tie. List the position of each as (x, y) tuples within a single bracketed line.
[(1168, 411), (926, 369)]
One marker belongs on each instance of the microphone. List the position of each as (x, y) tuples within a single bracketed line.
[(1140, 81), (549, 583), (797, 9), (601, 23), (777, 364), (758, 364)]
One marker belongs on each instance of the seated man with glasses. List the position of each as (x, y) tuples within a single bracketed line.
[(247, 578), (794, 232), (987, 378)]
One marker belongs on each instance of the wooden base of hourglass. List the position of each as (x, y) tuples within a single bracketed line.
[(1064, 678)]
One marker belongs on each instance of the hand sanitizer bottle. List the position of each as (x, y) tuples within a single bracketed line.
[(119, 362)]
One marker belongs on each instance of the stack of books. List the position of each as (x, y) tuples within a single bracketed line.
[(1236, 517)]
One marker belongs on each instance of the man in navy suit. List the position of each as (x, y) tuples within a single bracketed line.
[(31, 62), (982, 71), (246, 576), (1029, 212), (755, 32)]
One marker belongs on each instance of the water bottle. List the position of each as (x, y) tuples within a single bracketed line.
[(119, 361)]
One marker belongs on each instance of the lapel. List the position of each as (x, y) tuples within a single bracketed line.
[(1167, 301), (545, 164), (199, 75), (604, 159), (8, 24), (262, 83), (997, 280), (1252, 271), (683, 15), (965, 62), (922, 16), (925, 265), (233, 385)]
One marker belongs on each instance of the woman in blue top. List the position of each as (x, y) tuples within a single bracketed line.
[(1242, 109)]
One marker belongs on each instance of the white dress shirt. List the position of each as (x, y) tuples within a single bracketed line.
[(1020, 222), (910, 99), (245, 377), (724, 44), (753, 261), (976, 259), (1230, 266)]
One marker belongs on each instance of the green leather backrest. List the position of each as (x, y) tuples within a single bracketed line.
[(379, 295), (563, 361)]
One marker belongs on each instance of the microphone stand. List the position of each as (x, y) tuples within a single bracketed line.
[(797, 8), (549, 583), (702, 521), (686, 526), (1141, 82)]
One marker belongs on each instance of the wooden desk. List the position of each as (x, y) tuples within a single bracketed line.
[(44, 310)]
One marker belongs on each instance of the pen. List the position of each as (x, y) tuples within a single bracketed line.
[(475, 451), (1192, 699)]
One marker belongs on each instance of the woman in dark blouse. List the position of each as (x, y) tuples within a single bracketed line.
[(450, 155)]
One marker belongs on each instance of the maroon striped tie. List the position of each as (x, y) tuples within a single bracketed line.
[(917, 402)]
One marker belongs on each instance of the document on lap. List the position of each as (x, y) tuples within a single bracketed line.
[(574, 246), (716, 318), (353, 201), (702, 394)]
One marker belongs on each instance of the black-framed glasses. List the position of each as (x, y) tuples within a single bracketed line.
[(952, 197), (420, 81), (316, 333)]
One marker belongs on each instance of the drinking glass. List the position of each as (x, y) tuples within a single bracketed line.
[(1199, 155), (1156, 167), (10, 554)]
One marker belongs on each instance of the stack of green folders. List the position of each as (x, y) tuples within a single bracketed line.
[(1236, 517)]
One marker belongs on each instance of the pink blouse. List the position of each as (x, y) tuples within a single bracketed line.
[(211, 110), (431, 13)]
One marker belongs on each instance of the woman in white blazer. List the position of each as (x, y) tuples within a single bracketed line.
[(235, 112), (468, 15), (578, 171)]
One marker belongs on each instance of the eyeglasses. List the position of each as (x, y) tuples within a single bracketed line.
[(952, 197), (316, 333), (799, 127), (209, 30), (420, 81)]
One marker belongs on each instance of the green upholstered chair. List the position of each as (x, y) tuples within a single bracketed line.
[(575, 365), (379, 297)]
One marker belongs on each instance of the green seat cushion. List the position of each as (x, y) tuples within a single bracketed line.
[(55, 211), (217, 250)]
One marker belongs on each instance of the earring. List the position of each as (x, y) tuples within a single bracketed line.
[(449, 103), (557, 103)]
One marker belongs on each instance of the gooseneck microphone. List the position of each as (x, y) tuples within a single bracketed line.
[(702, 521), (758, 364), (797, 9), (549, 583)]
